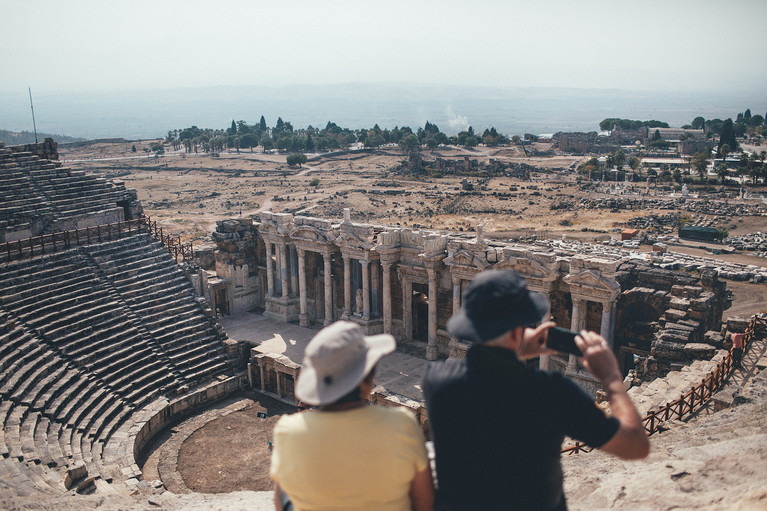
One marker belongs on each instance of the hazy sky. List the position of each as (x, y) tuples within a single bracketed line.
[(58, 45)]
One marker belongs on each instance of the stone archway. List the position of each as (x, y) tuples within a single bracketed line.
[(636, 325)]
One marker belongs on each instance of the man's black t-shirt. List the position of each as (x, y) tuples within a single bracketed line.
[(498, 428)]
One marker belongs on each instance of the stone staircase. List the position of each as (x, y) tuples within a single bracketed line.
[(653, 395)]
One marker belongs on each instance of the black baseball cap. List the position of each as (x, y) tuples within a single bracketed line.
[(495, 302)]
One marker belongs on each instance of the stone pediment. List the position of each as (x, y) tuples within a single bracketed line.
[(592, 281), (528, 268), (351, 240), (466, 259), (310, 233)]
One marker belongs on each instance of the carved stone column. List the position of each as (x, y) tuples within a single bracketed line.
[(269, 270), (456, 294), (283, 256), (365, 289), (431, 347), (261, 372), (407, 308), (347, 288), (292, 270), (604, 328), (576, 325), (375, 283), (303, 319), (386, 297), (328, 290)]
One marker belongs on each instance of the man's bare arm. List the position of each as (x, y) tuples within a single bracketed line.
[(630, 441)]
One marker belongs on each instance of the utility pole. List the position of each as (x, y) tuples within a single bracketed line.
[(34, 124)]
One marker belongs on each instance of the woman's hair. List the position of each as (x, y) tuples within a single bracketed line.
[(354, 394)]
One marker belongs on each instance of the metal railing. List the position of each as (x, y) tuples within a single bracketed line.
[(64, 240), (695, 398)]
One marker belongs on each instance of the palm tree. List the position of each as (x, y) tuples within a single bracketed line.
[(722, 171)]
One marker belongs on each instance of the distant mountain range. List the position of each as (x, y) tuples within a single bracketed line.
[(151, 113), (28, 137)]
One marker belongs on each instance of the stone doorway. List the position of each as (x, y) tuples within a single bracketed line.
[(420, 312), (635, 333), (221, 301)]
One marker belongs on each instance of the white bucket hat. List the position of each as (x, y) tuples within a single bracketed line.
[(337, 359)]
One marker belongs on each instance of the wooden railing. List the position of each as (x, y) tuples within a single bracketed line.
[(171, 241), (695, 398), (63, 240), (699, 395)]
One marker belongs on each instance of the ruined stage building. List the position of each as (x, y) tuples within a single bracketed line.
[(409, 282)]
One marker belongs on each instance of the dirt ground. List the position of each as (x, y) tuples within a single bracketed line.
[(187, 194), (223, 449)]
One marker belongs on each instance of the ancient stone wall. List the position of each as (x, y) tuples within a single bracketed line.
[(46, 150), (409, 282)]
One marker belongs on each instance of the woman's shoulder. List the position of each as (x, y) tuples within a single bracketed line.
[(395, 414)]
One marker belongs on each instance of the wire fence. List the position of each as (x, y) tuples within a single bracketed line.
[(695, 398)]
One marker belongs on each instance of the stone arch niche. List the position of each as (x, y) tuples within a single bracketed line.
[(639, 310)]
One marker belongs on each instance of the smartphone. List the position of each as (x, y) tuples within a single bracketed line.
[(562, 340)]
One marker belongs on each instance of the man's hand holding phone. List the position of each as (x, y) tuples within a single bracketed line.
[(534, 342)]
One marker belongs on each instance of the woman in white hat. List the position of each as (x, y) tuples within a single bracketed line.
[(345, 454)]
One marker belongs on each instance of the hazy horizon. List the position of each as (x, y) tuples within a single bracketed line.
[(101, 68), (150, 114)]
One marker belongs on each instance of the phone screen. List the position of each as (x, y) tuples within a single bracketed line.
[(562, 340)]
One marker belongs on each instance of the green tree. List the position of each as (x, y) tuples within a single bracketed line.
[(440, 138), (699, 162), (249, 140), (262, 124), (724, 151), (698, 123), (267, 143), (408, 143), (721, 171), (374, 140), (296, 159), (727, 136)]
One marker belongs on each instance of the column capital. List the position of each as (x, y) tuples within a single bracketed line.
[(300, 251)]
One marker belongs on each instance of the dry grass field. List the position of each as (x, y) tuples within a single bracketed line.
[(187, 193)]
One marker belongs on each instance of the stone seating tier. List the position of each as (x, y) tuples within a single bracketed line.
[(82, 348), (39, 194)]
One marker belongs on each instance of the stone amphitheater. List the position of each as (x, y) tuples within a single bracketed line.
[(109, 335)]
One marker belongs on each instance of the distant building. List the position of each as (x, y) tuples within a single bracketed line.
[(694, 232), (687, 141), (576, 142)]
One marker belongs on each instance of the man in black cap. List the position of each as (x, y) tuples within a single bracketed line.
[(497, 423)]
